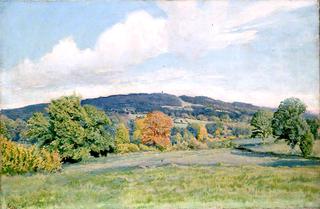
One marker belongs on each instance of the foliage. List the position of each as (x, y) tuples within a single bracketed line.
[(138, 126), (122, 135), (3, 129), (12, 129), (38, 130), (221, 144), (177, 138), (261, 121), (184, 145), (196, 144), (143, 147), (73, 130), (202, 133), (306, 144), (156, 130), (97, 129), (240, 131), (18, 159), (314, 124), (187, 136), (198, 130), (213, 127), (288, 122), (126, 148)]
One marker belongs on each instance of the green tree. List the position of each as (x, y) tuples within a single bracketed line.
[(261, 121), (306, 144), (288, 123), (74, 131), (122, 135), (38, 130), (314, 124), (98, 138)]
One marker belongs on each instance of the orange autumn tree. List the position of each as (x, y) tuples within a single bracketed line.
[(156, 129)]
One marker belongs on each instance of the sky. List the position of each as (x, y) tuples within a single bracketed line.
[(258, 52)]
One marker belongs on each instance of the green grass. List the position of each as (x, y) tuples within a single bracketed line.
[(121, 182)]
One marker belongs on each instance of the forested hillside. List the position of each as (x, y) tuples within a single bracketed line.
[(142, 103)]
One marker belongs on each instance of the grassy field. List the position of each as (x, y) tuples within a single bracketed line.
[(222, 178)]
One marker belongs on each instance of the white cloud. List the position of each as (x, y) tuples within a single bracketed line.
[(127, 43), (194, 28)]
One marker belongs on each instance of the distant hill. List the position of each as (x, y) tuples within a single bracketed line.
[(142, 103)]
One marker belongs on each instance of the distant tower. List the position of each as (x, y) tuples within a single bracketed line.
[(161, 92)]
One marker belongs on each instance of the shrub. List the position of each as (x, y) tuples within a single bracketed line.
[(126, 148), (18, 159), (181, 146), (221, 144), (143, 147), (231, 137), (195, 144)]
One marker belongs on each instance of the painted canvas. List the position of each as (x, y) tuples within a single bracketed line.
[(159, 104)]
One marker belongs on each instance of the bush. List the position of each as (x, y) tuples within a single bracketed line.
[(221, 144), (143, 147), (126, 148), (181, 146), (306, 144), (18, 159), (195, 144)]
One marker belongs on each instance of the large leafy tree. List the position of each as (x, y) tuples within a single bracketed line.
[(289, 124), (74, 131), (156, 129), (261, 122)]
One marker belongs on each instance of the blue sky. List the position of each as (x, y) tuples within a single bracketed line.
[(259, 52)]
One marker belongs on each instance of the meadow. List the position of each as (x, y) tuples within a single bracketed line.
[(215, 178)]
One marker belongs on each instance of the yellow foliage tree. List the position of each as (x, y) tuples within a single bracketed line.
[(139, 124), (202, 133)]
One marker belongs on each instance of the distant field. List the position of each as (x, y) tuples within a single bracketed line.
[(221, 178)]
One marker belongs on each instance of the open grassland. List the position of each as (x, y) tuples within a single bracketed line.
[(222, 178)]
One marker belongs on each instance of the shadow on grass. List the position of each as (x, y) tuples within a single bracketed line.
[(282, 159), (291, 163)]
